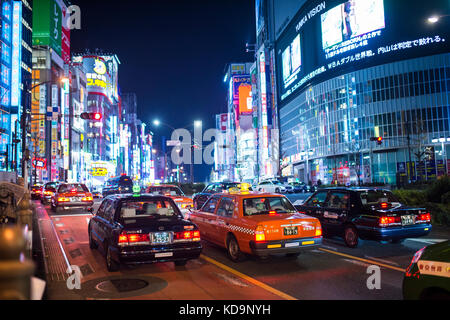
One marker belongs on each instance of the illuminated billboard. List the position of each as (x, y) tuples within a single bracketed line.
[(47, 24), (241, 87), (329, 38)]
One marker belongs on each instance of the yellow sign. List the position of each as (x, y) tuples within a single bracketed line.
[(99, 172)]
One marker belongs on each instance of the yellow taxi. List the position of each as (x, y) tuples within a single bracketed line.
[(256, 223), (184, 203)]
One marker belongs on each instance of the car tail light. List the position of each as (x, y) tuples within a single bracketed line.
[(318, 231), (259, 234), (48, 193), (386, 221), (384, 205), (87, 198), (133, 239), (63, 199), (272, 213), (187, 236), (424, 217)]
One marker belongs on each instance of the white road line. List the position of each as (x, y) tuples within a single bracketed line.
[(73, 215), (382, 260), (428, 241)]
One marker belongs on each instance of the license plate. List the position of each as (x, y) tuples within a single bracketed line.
[(292, 244), (160, 237), (75, 199), (290, 231), (407, 220), (163, 254)]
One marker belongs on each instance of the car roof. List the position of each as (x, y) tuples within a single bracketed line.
[(164, 186), (130, 196), (248, 194)]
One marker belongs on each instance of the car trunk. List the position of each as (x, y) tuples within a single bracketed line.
[(287, 226)]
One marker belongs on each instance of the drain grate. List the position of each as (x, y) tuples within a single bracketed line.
[(121, 285), (75, 253), (86, 269), (68, 241)]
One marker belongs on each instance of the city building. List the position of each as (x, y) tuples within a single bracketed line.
[(15, 83), (362, 93)]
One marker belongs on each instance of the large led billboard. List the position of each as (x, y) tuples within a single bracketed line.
[(329, 38), (47, 24)]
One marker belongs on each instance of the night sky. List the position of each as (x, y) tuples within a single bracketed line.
[(172, 53)]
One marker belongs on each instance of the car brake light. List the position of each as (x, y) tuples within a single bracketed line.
[(424, 217), (259, 234), (133, 239), (384, 205), (87, 198), (272, 213), (187, 236), (318, 231), (386, 221), (63, 199), (48, 193)]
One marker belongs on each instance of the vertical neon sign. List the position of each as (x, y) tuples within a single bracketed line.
[(263, 87), (16, 74)]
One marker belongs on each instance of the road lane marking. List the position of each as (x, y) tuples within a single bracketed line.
[(364, 260), (382, 260), (249, 279), (73, 215), (428, 241)]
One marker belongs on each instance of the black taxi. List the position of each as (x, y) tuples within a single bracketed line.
[(365, 213), (142, 228)]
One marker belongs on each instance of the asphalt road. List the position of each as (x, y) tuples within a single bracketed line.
[(332, 271)]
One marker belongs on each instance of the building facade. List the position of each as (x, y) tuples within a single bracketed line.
[(362, 94)]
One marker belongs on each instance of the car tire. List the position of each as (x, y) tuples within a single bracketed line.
[(277, 190), (233, 251), (351, 237), (180, 263), (92, 244), (111, 265)]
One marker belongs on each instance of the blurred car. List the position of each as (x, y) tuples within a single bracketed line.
[(274, 186), (97, 194), (213, 188), (184, 203), (72, 196), (143, 228), (301, 187), (36, 192), (47, 192), (366, 213), (256, 223), (118, 185), (428, 275)]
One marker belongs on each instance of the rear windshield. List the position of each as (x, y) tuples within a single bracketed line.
[(373, 197), (126, 182), (266, 205), (72, 187), (147, 209), (166, 191)]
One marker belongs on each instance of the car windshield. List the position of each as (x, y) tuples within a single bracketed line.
[(373, 197), (51, 185), (227, 186), (147, 209), (277, 182), (267, 205), (166, 191), (72, 187)]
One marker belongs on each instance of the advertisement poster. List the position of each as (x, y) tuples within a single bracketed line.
[(440, 168), (431, 170)]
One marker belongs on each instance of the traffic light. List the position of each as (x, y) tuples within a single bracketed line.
[(379, 140), (96, 116)]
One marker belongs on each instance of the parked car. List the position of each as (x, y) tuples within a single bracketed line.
[(137, 229), (72, 196), (366, 213), (118, 185), (256, 223), (213, 188), (274, 186), (36, 192), (47, 192), (427, 277)]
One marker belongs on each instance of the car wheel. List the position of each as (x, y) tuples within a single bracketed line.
[(277, 190), (351, 236), (92, 243), (233, 250), (180, 263), (111, 264)]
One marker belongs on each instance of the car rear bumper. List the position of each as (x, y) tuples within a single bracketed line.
[(74, 205), (284, 246), (150, 255), (382, 234)]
